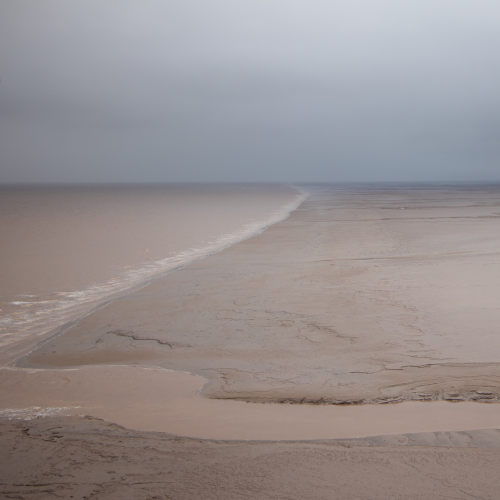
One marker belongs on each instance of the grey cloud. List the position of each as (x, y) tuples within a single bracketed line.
[(254, 90)]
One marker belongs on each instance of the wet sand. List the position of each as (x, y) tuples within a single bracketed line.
[(368, 296), (86, 458), (148, 399), (71, 237), (67, 249), (383, 295)]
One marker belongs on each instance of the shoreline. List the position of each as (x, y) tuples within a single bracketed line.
[(23, 345)]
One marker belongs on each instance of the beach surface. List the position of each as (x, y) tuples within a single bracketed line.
[(67, 457), (363, 296), (149, 399), (368, 296)]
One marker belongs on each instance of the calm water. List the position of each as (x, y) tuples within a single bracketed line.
[(65, 249)]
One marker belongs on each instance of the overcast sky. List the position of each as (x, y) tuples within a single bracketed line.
[(249, 90)]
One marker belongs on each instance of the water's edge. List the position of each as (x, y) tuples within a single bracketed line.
[(15, 352)]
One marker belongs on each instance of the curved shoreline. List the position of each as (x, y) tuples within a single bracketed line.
[(17, 347)]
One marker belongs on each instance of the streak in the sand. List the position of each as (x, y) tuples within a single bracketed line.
[(149, 399)]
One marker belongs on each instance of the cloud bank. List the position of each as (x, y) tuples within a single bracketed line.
[(249, 90)]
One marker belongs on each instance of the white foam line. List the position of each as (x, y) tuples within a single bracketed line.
[(34, 412)]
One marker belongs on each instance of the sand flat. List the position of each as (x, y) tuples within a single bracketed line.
[(87, 458), (369, 295), (149, 399), (384, 295)]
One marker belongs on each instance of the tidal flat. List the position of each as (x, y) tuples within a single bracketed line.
[(366, 298), (359, 296)]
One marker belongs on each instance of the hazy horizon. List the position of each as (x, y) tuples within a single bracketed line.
[(289, 91)]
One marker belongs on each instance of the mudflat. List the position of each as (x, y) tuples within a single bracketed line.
[(151, 399), (360, 296), (87, 458)]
